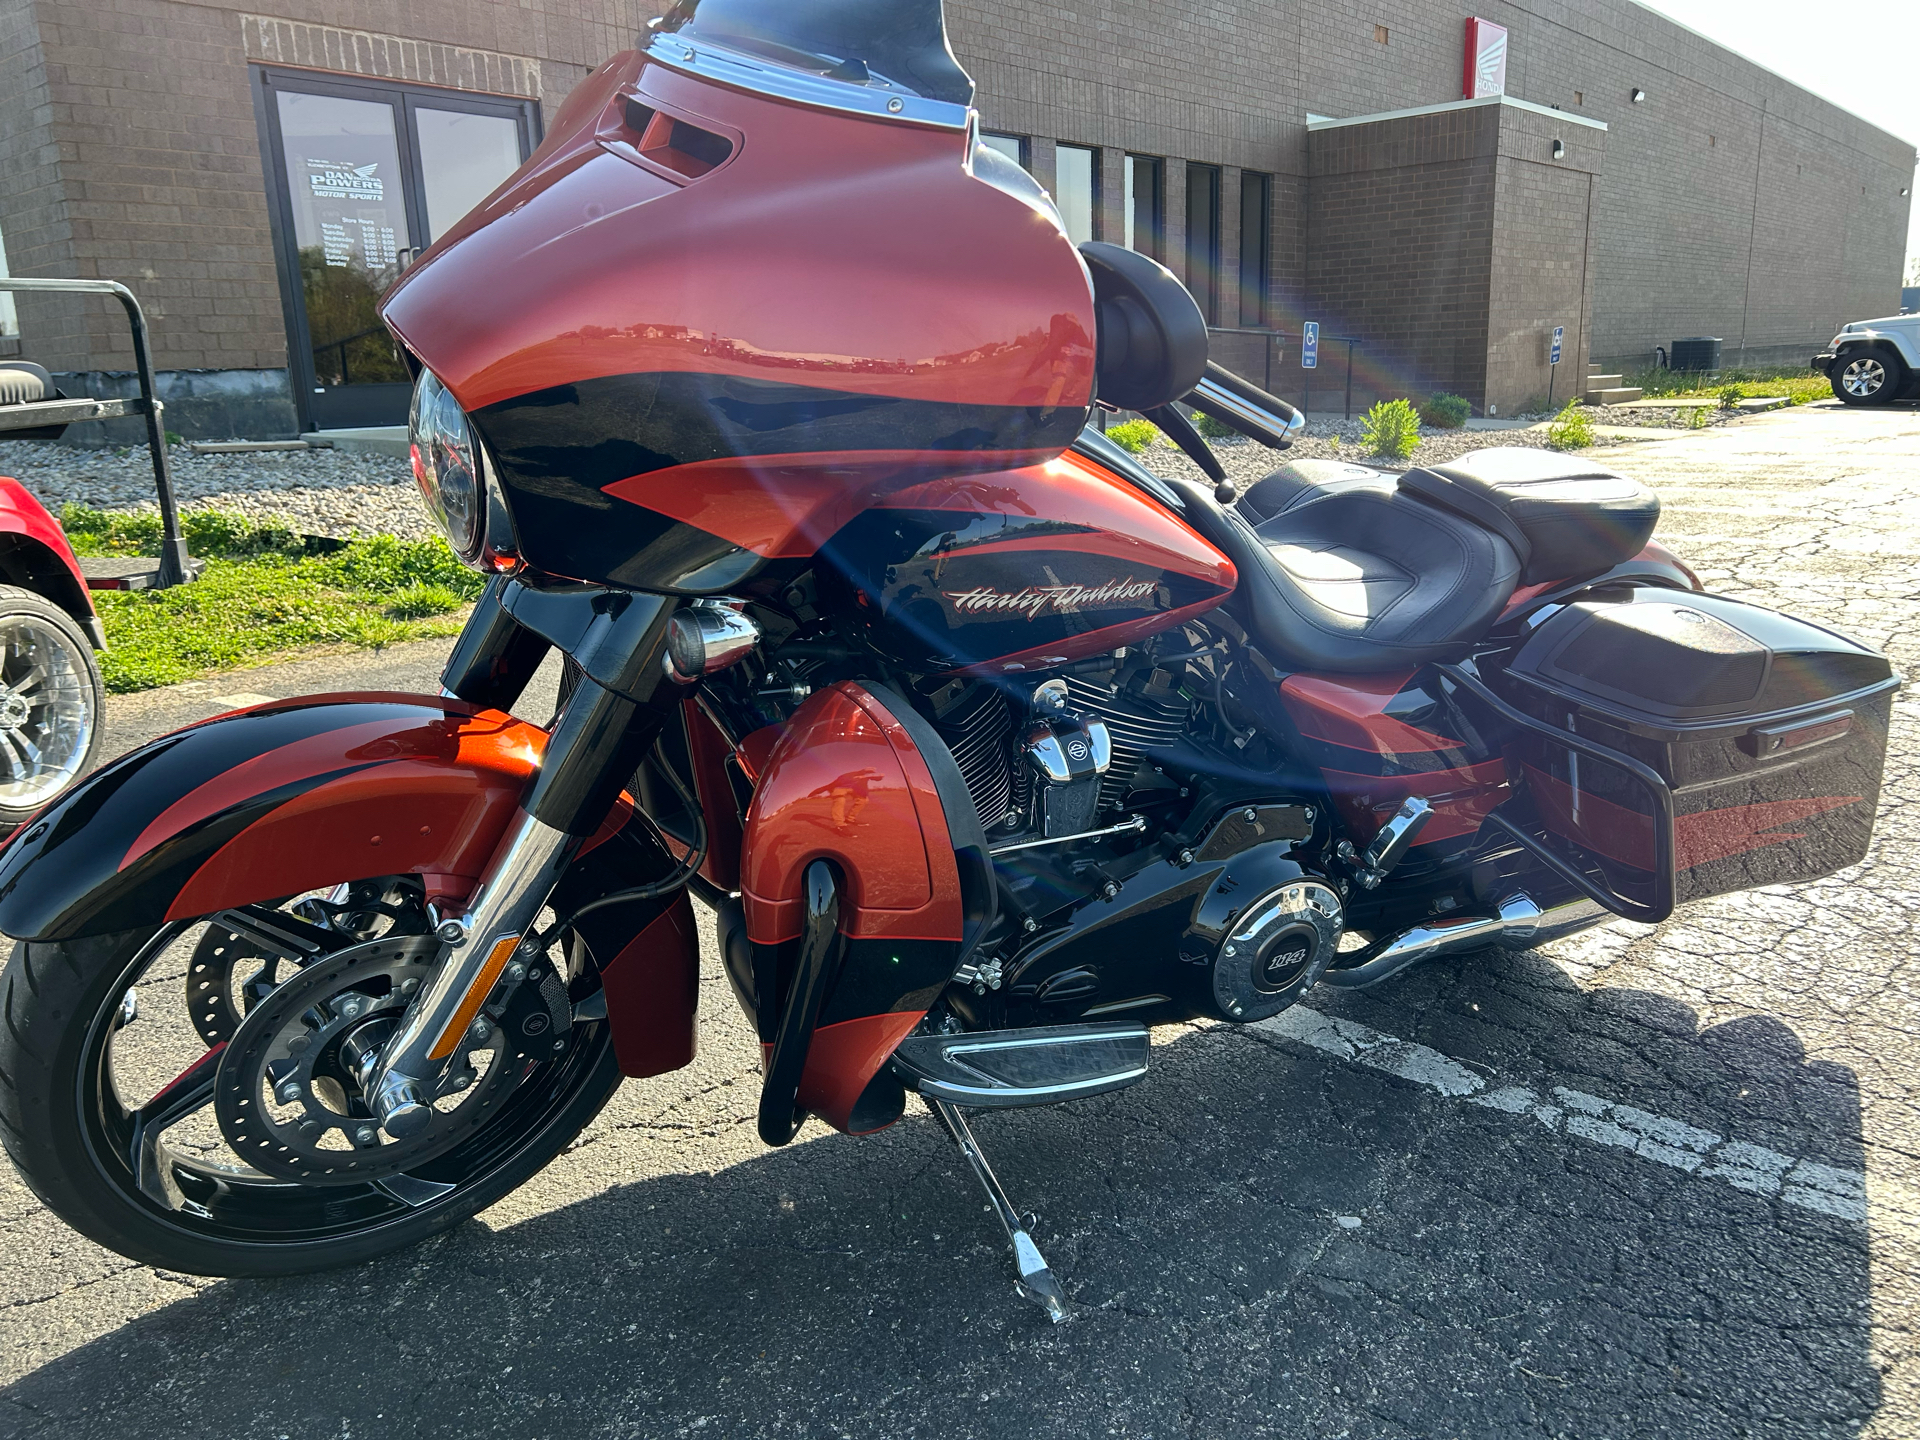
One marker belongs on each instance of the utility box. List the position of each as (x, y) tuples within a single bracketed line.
[(1702, 352)]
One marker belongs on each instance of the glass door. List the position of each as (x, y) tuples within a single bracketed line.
[(368, 175)]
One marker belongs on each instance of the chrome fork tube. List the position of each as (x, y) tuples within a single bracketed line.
[(484, 944)]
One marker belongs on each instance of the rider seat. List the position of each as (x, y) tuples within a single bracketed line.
[(1348, 569)]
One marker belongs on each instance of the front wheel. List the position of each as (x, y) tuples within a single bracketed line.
[(187, 1096), (1868, 378)]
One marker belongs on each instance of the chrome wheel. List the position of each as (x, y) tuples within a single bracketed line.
[(1864, 377), (48, 711)]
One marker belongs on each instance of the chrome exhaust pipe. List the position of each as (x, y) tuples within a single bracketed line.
[(1519, 925)]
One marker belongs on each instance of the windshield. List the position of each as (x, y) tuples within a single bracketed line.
[(900, 43)]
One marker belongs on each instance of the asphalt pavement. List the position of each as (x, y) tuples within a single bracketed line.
[(1644, 1182)]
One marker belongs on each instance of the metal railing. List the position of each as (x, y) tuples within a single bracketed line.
[(1273, 346), (174, 561)]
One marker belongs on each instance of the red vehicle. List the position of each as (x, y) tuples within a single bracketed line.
[(50, 693), (987, 747)]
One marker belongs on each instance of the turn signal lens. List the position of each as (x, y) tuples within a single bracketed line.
[(446, 468)]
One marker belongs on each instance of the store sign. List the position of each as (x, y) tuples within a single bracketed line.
[(1485, 72), (331, 180)]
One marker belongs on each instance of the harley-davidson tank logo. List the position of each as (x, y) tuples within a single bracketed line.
[(1036, 600)]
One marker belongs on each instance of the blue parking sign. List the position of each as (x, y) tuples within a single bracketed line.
[(1558, 332), (1310, 345)]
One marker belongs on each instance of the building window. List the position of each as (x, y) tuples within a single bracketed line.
[(1076, 190), (9, 316), (1256, 246), (1014, 147), (1203, 238), (1380, 34), (1145, 207)]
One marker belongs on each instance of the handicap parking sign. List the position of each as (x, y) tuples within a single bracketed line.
[(1558, 332), (1310, 345)]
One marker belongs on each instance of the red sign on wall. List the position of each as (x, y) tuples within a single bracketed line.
[(1485, 71)]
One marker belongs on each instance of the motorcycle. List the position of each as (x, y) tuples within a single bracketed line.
[(762, 393)]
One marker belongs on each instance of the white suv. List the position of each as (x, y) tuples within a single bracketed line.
[(1873, 361)]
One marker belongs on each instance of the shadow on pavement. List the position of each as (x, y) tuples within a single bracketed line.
[(1502, 1280)]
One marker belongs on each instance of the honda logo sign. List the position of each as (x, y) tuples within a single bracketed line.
[(1485, 72)]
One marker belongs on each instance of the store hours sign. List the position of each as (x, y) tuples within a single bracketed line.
[(344, 227)]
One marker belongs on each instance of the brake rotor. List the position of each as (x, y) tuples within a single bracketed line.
[(222, 956), (286, 1093)]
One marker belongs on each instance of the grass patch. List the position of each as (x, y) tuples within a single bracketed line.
[(1797, 384), (265, 591)]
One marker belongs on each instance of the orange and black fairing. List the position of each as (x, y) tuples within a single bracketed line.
[(1021, 568), (859, 779), (703, 326)]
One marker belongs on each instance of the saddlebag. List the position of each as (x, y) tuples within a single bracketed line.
[(1668, 746)]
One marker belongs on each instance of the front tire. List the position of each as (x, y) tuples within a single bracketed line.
[(51, 703), (104, 1163), (1870, 377)]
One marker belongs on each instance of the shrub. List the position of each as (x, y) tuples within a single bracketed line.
[(1571, 430), (1445, 412), (1731, 395), (1213, 429), (1133, 436), (1391, 429)]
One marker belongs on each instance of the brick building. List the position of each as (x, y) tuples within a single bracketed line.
[(1633, 183)]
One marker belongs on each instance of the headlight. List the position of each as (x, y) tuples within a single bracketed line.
[(446, 467)]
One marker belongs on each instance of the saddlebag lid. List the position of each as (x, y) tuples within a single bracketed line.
[(1768, 732)]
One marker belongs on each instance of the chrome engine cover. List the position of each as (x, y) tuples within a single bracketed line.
[(1277, 950)]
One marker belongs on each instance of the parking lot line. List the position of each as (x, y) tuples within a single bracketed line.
[(1807, 1184)]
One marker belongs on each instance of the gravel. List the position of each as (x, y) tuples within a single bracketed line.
[(314, 492)]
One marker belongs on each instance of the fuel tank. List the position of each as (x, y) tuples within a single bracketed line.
[(732, 298), (1020, 569)]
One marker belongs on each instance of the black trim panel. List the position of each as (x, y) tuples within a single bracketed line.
[(556, 450)]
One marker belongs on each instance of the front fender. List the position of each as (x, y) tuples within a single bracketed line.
[(267, 802)]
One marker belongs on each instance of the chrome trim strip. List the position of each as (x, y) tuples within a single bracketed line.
[(879, 101), (1125, 827)]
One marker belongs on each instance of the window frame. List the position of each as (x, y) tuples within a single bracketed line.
[(402, 97), (1259, 287), (1203, 260), (1157, 198), (1093, 154)]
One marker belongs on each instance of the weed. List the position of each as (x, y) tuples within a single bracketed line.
[(1133, 436), (173, 438), (1731, 395), (1391, 429), (1445, 412), (1798, 384), (1571, 430), (1697, 418)]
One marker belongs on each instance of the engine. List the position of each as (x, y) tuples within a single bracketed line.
[(1157, 858), (1154, 870)]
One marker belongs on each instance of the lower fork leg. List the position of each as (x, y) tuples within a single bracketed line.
[(1036, 1281)]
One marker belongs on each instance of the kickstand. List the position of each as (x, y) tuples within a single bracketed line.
[(1036, 1281)]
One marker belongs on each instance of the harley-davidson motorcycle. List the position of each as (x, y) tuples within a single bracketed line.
[(763, 393)]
